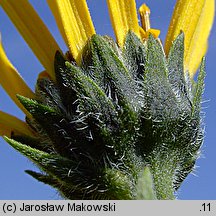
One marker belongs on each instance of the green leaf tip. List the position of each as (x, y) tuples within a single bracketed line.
[(145, 185)]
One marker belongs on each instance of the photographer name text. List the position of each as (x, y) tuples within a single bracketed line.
[(69, 207)]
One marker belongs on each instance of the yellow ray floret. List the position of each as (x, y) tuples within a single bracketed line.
[(124, 18), (11, 80), (195, 19), (74, 22), (5, 131), (9, 124), (146, 29), (33, 31), (144, 12)]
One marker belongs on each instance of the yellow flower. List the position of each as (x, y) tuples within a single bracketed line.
[(74, 22), (193, 17), (11, 80), (33, 30), (9, 123), (124, 18)]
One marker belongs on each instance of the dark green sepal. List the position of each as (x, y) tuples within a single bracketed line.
[(160, 100), (118, 185), (65, 82), (31, 141), (124, 125), (195, 132), (46, 179), (48, 94), (94, 109), (77, 179), (160, 109), (62, 169), (199, 88), (156, 59), (135, 54), (106, 69), (176, 74), (112, 44), (57, 126), (63, 189), (50, 163)]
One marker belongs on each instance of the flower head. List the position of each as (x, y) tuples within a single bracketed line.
[(104, 110)]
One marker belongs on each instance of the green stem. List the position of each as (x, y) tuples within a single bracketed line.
[(156, 181), (145, 186), (163, 167)]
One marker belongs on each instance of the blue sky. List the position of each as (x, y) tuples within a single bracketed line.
[(15, 184)]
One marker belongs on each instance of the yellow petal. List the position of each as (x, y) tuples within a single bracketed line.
[(43, 75), (199, 43), (144, 12), (124, 18), (192, 66), (195, 19), (5, 131), (154, 32), (74, 22), (9, 124), (33, 31), (11, 80), (143, 34)]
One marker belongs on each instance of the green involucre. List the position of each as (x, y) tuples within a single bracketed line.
[(124, 125)]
